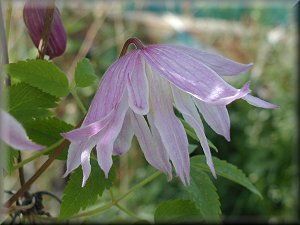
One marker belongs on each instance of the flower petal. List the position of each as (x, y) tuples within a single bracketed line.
[(153, 154), (124, 139), (186, 106), (76, 149), (138, 90), (171, 130), (82, 133), (259, 102), (109, 134), (111, 88), (216, 116), (86, 166), (221, 65), (192, 76), (13, 133)]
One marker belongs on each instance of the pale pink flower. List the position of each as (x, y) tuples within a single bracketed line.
[(145, 84)]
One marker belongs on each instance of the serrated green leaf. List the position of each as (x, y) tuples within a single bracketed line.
[(227, 170), (41, 74), (84, 73), (190, 131), (203, 192), (26, 102), (76, 197), (177, 211), (47, 131)]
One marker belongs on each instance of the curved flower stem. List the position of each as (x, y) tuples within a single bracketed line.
[(37, 155), (115, 202), (138, 44)]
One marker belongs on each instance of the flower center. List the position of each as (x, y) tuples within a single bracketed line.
[(137, 42)]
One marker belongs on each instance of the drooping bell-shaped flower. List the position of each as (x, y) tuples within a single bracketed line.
[(13, 134), (34, 14), (146, 84)]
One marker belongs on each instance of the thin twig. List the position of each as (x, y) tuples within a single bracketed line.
[(89, 39)]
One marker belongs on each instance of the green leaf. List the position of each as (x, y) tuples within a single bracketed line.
[(26, 102), (84, 73), (11, 157), (76, 197), (203, 192), (47, 131), (177, 211), (190, 131), (192, 148), (227, 170), (41, 74)]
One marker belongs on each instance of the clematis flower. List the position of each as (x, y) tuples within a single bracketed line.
[(136, 97), (34, 13), (13, 133)]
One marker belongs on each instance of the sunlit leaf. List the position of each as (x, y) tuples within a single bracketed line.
[(84, 73), (26, 102), (41, 74)]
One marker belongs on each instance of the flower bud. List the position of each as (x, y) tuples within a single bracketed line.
[(34, 14)]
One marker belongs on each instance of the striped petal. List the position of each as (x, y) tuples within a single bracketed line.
[(221, 65), (171, 130), (259, 102), (138, 90), (109, 134), (14, 135), (186, 106), (111, 88), (124, 139), (154, 155), (82, 133), (192, 76), (216, 116)]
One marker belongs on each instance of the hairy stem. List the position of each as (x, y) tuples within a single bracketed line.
[(138, 44)]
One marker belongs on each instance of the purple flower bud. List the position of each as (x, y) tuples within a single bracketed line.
[(34, 13)]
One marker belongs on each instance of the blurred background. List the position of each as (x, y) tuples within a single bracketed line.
[(263, 142)]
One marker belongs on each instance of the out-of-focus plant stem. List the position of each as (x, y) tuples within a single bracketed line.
[(116, 201), (8, 19), (38, 154)]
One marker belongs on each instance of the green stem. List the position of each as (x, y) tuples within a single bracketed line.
[(128, 212), (94, 211), (8, 19), (139, 185), (76, 97), (78, 101), (115, 202), (37, 155)]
